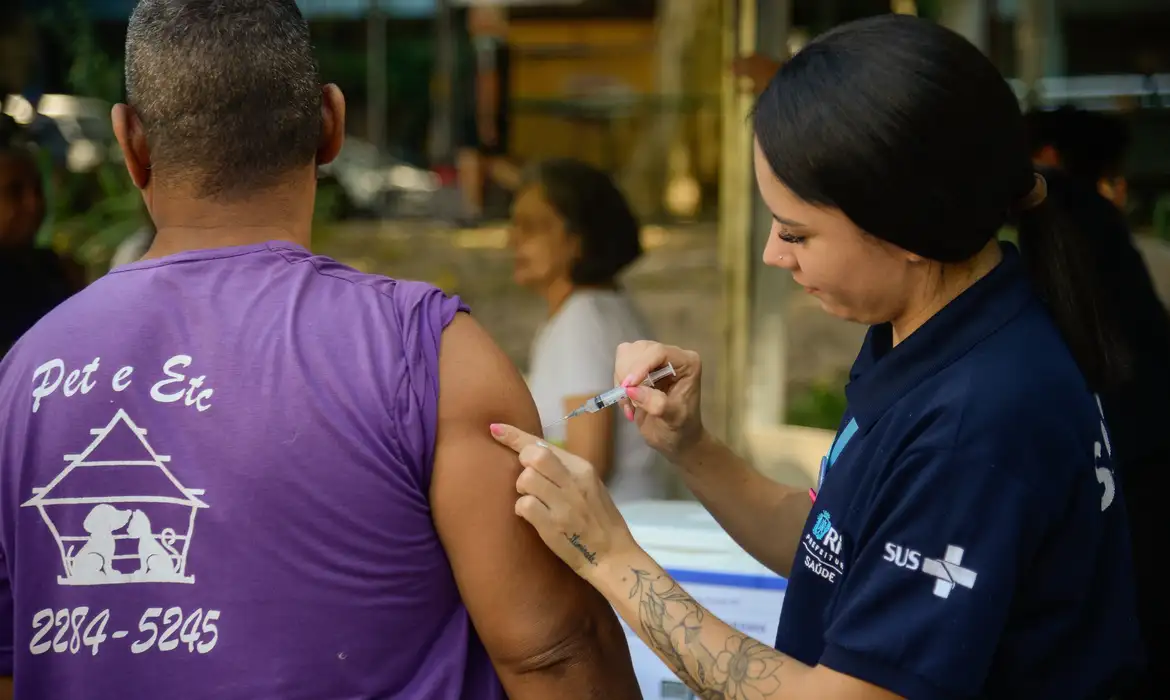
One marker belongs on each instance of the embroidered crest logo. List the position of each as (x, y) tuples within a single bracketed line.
[(822, 526)]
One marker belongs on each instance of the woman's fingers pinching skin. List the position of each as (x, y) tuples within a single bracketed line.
[(534, 511), (540, 458), (533, 483)]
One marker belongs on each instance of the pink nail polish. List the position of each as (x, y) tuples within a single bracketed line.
[(630, 381), (632, 392), (497, 429)]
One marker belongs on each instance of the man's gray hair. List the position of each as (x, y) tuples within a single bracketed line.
[(227, 91)]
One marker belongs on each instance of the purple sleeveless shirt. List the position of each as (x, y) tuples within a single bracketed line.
[(214, 476)]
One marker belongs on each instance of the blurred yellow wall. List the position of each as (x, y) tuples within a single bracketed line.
[(549, 57)]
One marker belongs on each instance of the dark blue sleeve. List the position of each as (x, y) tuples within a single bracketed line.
[(928, 595)]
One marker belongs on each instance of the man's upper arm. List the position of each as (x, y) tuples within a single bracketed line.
[(548, 633), (939, 563)]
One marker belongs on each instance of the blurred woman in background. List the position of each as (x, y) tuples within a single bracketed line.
[(32, 280), (572, 234)]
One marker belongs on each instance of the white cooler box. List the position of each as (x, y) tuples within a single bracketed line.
[(686, 541)]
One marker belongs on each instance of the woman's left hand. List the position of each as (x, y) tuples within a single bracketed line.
[(561, 496)]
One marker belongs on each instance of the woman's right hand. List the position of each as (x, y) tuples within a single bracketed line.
[(667, 415)]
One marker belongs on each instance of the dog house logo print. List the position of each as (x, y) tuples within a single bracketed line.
[(118, 515)]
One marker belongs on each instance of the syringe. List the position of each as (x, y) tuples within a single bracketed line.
[(615, 395)]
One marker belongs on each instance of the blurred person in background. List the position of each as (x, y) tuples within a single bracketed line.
[(572, 233), (1085, 154), (485, 115), (1089, 147), (356, 536), (32, 280)]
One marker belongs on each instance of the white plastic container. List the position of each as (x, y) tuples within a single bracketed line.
[(686, 541)]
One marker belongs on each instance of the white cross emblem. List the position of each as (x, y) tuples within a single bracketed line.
[(948, 572)]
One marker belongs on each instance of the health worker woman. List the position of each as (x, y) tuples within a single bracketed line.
[(967, 539)]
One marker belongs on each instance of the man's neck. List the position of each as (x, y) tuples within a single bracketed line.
[(173, 240), (185, 224)]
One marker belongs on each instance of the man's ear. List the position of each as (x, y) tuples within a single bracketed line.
[(332, 124), (132, 141)]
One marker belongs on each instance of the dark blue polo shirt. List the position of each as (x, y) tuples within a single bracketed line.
[(969, 540)]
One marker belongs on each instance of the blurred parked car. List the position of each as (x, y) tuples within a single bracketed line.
[(375, 183), (75, 130)]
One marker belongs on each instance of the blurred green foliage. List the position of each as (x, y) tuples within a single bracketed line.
[(90, 213), (1161, 217), (821, 405), (930, 9)]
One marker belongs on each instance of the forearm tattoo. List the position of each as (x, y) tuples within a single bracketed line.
[(673, 625)]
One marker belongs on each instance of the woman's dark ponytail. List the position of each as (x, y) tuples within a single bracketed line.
[(1064, 272)]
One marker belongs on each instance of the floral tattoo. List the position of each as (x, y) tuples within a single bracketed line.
[(673, 623)]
